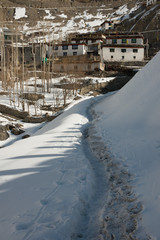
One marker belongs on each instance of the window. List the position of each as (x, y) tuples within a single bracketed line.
[(112, 50), (124, 40), (134, 57), (64, 53), (111, 57), (55, 47), (133, 40), (135, 50), (122, 57), (114, 41), (64, 47), (74, 46), (123, 50), (74, 53)]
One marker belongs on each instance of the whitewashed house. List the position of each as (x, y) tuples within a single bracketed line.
[(150, 2), (123, 48), (106, 25), (67, 49)]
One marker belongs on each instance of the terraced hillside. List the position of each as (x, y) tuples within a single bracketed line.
[(55, 19)]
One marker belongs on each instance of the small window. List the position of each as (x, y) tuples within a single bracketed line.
[(111, 57), (135, 50), (74, 46), (122, 57), (74, 53), (114, 41), (64, 53), (133, 40), (123, 50), (112, 50), (65, 47), (55, 47), (124, 40), (134, 57)]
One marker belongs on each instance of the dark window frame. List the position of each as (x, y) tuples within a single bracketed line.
[(112, 49), (133, 40), (124, 40), (114, 41), (135, 50), (65, 47), (75, 46), (123, 50)]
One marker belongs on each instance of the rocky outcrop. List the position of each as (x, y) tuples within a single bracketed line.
[(4, 133), (15, 129), (13, 112)]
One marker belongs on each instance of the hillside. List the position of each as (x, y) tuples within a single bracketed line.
[(59, 18)]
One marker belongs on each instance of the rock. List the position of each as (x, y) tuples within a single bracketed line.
[(26, 136), (3, 133), (17, 131)]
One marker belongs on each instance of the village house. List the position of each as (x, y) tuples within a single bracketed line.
[(80, 53), (107, 25), (75, 64), (66, 49), (150, 2), (123, 48)]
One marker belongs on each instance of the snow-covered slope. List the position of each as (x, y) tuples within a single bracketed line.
[(129, 124), (45, 181)]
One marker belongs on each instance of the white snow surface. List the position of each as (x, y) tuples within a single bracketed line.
[(45, 179), (129, 124)]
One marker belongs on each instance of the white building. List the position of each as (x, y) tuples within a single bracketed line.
[(150, 2), (120, 48), (121, 54), (67, 49), (106, 25)]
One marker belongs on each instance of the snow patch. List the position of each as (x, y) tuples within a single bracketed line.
[(20, 13)]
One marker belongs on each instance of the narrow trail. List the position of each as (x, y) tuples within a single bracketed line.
[(115, 211)]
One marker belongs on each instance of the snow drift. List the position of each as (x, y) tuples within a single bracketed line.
[(129, 124)]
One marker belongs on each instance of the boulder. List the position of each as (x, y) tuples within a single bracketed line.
[(3, 133)]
